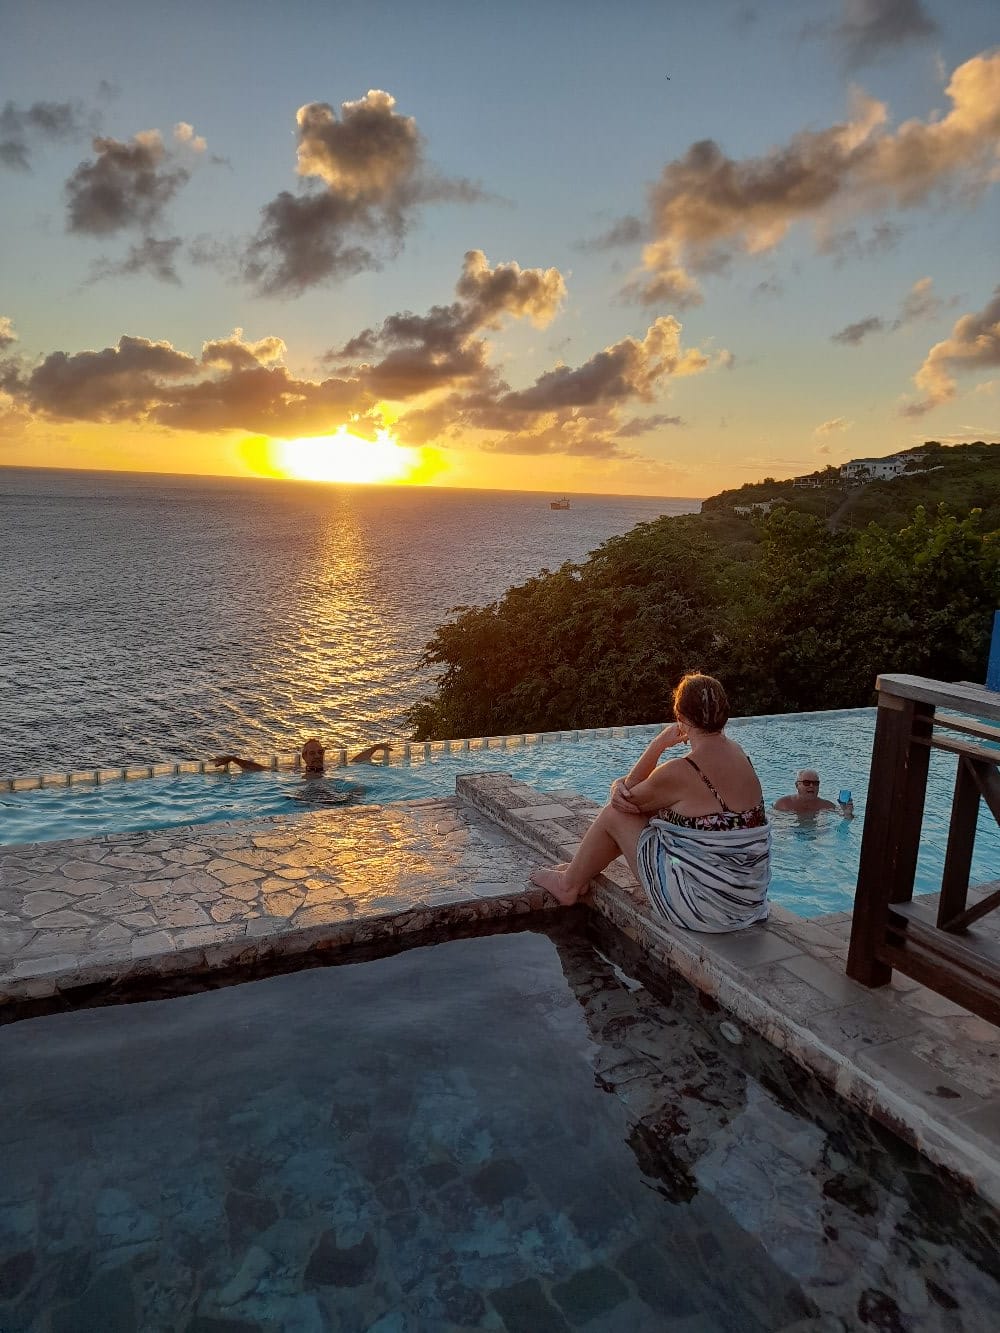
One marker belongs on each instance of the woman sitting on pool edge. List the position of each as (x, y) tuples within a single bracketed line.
[(694, 830)]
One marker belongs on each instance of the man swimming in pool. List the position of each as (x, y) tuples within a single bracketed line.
[(313, 755), (313, 792), (807, 800)]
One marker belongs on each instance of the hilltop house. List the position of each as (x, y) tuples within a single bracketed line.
[(876, 469)]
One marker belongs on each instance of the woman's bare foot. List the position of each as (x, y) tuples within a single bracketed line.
[(554, 882)]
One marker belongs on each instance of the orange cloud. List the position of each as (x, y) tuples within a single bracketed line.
[(974, 344), (707, 208)]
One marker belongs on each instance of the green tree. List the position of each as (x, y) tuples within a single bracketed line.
[(829, 611), (797, 617), (588, 645)]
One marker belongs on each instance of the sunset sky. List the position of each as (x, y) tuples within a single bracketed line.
[(654, 248)]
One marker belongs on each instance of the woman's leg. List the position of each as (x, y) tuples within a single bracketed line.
[(613, 833)]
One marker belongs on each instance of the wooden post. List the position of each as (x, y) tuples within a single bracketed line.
[(961, 841), (891, 840)]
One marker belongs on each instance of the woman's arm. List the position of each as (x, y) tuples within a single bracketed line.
[(646, 763), (660, 789), (622, 789)]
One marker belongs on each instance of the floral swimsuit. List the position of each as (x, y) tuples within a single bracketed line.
[(719, 820)]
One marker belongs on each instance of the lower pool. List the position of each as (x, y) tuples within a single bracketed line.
[(815, 861), (519, 1132)]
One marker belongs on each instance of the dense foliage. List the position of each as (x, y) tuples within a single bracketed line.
[(789, 613), (828, 611)]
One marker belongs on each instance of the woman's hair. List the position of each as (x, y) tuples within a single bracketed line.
[(702, 701)]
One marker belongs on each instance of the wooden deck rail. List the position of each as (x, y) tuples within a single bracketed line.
[(889, 930)]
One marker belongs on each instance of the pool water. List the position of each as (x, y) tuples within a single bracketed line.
[(515, 1132), (815, 860)]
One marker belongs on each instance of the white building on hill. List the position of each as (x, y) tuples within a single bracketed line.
[(876, 469)]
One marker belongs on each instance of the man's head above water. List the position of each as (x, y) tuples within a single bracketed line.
[(312, 756)]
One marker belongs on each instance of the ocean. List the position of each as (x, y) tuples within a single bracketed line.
[(147, 617)]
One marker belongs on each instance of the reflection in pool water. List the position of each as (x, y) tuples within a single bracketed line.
[(519, 1131), (815, 859)]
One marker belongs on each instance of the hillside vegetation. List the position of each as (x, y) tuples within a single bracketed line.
[(791, 610), (962, 477)]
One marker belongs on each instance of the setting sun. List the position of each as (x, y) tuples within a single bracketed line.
[(344, 457)]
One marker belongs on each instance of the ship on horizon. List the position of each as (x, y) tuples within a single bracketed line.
[(561, 503)]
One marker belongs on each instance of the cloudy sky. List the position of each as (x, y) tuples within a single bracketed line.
[(638, 247)]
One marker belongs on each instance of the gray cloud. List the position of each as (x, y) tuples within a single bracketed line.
[(707, 208), (156, 257), (115, 384), (373, 173), (768, 288), (236, 385), (920, 303), (626, 231), (643, 425), (235, 353), (871, 29), (125, 185), (568, 410), (441, 349), (629, 369), (301, 242), (849, 243), (853, 334), (7, 334), (21, 127), (573, 434)]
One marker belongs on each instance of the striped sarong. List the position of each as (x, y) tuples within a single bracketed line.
[(706, 879)]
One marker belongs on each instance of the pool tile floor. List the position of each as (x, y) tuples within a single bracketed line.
[(82, 921)]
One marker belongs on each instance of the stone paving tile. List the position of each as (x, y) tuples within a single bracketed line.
[(157, 902)]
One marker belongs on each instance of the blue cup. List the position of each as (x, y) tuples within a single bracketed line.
[(845, 796)]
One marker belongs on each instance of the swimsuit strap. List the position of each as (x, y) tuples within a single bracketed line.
[(725, 808)]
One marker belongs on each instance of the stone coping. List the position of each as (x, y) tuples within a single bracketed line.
[(404, 753), (912, 1059)]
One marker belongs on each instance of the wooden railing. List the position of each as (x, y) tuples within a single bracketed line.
[(889, 930)]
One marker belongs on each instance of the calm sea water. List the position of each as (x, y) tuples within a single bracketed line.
[(150, 617)]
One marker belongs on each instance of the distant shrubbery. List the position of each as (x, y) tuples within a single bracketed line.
[(790, 614)]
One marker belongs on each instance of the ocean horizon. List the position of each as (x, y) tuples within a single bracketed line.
[(149, 616)]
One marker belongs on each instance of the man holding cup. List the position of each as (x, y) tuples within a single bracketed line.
[(807, 800)]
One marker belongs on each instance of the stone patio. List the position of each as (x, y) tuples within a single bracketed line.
[(83, 918), (92, 920)]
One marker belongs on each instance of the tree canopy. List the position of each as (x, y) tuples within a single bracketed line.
[(789, 614)]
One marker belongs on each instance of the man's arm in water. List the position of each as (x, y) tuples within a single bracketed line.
[(247, 765), (365, 757)]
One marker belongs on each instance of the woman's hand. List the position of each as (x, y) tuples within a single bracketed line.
[(672, 735), (621, 798)]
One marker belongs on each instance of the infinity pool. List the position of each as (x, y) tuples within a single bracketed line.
[(815, 860), (523, 1133)]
